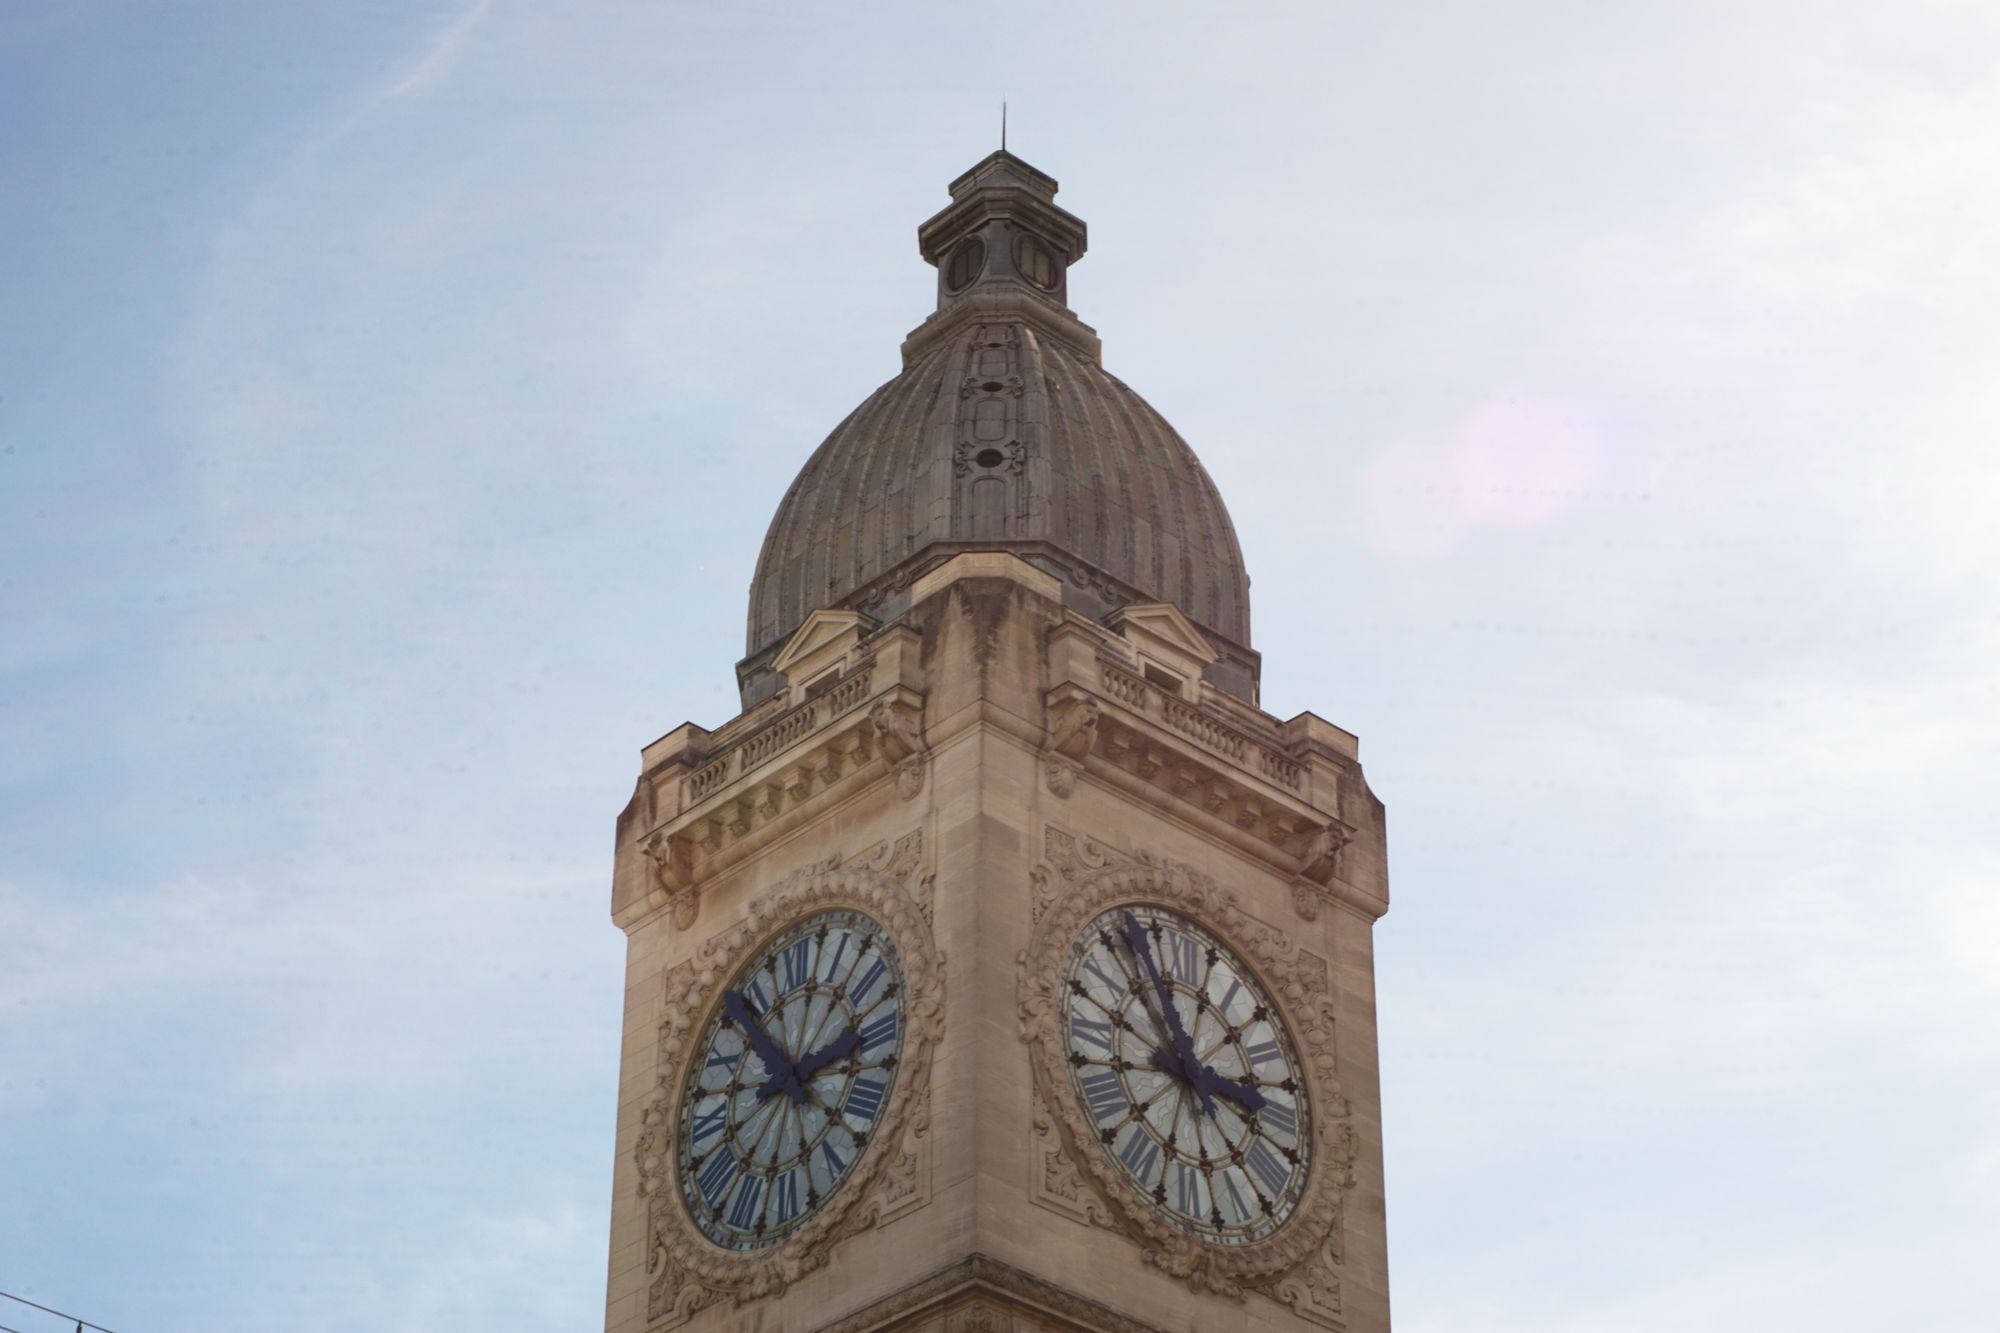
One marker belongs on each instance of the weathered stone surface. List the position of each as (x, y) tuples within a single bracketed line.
[(1004, 432), (981, 736)]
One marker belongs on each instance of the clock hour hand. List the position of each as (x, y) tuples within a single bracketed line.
[(782, 1076), (1243, 1094), (838, 1049)]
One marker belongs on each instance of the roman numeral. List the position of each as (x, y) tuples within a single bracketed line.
[(1187, 1189), (1235, 986), (1089, 1030), (716, 1177), (1105, 1094), (835, 1163), (1281, 1118), (743, 1208), (1140, 1155), (864, 1099), (1268, 1167), (1183, 957), (719, 1058), (833, 966), (754, 996), (881, 1030), (857, 994), (1115, 985), (1263, 1053), (795, 965), (785, 1197), (706, 1123), (1238, 1210)]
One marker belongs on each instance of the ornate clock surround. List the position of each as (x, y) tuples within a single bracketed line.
[(687, 1272), (1298, 1263)]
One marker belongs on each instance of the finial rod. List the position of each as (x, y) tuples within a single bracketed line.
[(1003, 127)]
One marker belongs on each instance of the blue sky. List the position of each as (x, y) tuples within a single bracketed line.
[(393, 397)]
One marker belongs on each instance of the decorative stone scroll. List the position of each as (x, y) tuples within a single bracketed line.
[(1072, 731), (1317, 864), (673, 879), (1298, 1264), (901, 736), (687, 1272)]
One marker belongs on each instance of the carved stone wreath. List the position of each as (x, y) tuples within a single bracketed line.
[(687, 1271), (1296, 1265)]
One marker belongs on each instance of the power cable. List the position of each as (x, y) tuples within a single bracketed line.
[(81, 1323)]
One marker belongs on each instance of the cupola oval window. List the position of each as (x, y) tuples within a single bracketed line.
[(1037, 265), (965, 263)]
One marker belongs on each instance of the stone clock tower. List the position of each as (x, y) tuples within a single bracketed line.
[(1001, 965)]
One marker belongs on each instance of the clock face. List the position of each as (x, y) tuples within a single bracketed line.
[(1185, 1072), (789, 1079)]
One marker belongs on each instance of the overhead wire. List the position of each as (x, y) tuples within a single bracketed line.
[(81, 1323)]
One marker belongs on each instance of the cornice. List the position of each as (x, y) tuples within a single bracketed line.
[(1002, 301), (977, 1286), (774, 779)]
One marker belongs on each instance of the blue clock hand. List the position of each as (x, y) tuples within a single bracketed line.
[(837, 1049), (783, 1077), (1173, 1064), (1182, 1062), (1135, 937), (1243, 1094)]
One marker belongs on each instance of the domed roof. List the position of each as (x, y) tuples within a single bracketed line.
[(1004, 432)]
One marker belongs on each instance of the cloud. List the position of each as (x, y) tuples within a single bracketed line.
[(435, 62)]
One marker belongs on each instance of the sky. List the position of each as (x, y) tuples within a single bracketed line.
[(393, 398)]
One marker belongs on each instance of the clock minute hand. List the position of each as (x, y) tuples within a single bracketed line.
[(783, 1077), (1135, 937), (1181, 1061)]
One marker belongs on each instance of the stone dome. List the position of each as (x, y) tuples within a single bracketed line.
[(1004, 432)]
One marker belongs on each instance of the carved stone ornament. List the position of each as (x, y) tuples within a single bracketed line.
[(687, 1272), (673, 879), (1072, 731), (1298, 1264), (1305, 899), (1318, 863), (901, 737)]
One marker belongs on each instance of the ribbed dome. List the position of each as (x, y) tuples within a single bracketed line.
[(1003, 432)]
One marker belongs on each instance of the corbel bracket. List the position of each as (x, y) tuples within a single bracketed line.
[(673, 878), (1072, 731), (899, 732)]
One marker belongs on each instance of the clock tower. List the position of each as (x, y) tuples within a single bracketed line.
[(1001, 965)]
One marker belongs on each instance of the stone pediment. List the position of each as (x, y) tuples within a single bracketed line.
[(1159, 630), (824, 638)]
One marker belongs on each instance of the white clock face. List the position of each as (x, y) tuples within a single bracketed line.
[(790, 1078), (1186, 1074)]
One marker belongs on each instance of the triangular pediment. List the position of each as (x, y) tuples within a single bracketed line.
[(824, 636), (1162, 626)]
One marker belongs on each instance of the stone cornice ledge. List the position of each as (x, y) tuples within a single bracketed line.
[(776, 779), (1241, 798), (978, 1282)]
